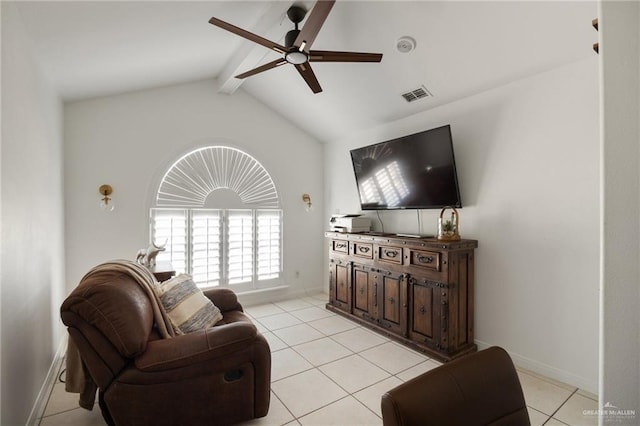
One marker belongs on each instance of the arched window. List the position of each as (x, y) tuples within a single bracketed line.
[(218, 210)]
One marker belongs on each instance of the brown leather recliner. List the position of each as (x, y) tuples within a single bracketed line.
[(478, 389), (219, 376)]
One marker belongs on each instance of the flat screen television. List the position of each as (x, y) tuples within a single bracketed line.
[(411, 172)]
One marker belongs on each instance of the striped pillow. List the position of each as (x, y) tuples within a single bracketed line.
[(187, 307)]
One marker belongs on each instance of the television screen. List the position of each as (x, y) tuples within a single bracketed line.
[(412, 172)]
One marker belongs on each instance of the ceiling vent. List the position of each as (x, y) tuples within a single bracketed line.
[(419, 93)]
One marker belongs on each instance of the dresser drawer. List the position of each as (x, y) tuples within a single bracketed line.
[(429, 260), (340, 246), (390, 254), (364, 250)]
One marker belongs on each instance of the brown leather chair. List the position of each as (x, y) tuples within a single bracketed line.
[(219, 376), (478, 389)]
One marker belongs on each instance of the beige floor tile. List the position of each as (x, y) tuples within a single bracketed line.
[(393, 358), (61, 400), (542, 394), (419, 369), (371, 396), (259, 311), (320, 299), (287, 362), (274, 341), (75, 417), (278, 415), (547, 379), (347, 411), (573, 411), (278, 321), (306, 392), (536, 417), (333, 325), (359, 339), (556, 422), (298, 334), (311, 314), (354, 373), (293, 305), (261, 328), (322, 351)]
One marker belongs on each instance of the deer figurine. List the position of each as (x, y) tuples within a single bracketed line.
[(147, 257)]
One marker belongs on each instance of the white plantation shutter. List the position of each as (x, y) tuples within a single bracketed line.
[(224, 246), (240, 246), (206, 247), (170, 225), (269, 230)]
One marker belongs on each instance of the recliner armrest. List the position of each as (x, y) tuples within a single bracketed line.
[(187, 349), (482, 388), (223, 298)]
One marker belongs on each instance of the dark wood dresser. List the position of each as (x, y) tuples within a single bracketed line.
[(418, 291)]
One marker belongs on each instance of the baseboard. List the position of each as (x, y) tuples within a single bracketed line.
[(47, 387), (277, 294), (549, 371)]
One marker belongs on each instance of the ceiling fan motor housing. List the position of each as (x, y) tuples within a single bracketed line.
[(290, 37)]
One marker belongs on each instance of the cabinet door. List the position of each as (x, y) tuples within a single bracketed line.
[(426, 312), (364, 292), (339, 284), (392, 301)]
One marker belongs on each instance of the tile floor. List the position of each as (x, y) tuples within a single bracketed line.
[(349, 368)]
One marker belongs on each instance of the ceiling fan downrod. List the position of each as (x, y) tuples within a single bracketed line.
[(296, 54)]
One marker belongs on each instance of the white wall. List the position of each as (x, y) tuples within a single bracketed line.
[(32, 273), (129, 141), (528, 163), (619, 24)]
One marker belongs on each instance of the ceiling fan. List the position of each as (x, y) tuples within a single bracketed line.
[(297, 46)]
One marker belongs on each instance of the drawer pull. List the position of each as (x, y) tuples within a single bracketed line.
[(391, 253), (363, 249), (425, 259), (422, 310), (392, 300), (341, 245)]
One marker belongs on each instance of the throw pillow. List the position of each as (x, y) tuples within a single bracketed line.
[(187, 307)]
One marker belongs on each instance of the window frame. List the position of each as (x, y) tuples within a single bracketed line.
[(255, 282), (184, 189)]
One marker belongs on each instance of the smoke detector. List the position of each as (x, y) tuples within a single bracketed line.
[(405, 44)]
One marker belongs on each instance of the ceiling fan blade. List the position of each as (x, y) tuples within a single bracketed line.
[(307, 73), (314, 22), (248, 35), (261, 68), (332, 56)]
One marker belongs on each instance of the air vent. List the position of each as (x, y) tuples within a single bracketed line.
[(419, 93)]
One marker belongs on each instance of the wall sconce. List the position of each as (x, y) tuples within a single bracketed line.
[(306, 199), (105, 202)]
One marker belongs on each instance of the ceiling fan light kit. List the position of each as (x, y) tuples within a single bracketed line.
[(297, 49), (296, 57)]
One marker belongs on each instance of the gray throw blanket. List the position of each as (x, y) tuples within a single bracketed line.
[(78, 379)]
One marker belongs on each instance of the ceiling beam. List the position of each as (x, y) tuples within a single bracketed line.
[(272, 25)]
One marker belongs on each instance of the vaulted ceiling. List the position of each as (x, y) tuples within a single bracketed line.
[(91, 49)]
